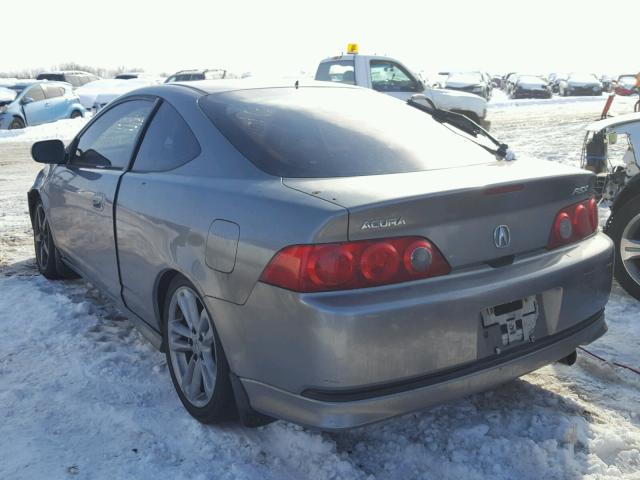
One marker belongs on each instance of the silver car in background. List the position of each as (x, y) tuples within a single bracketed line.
[(321, 253)]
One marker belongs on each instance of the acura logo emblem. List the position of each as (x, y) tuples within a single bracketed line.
[(502, 236)]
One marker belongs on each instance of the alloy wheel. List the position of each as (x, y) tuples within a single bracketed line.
[(630, 248), (41, 238), (191, 343)]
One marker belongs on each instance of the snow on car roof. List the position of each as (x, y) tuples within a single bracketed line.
[(613, 121)]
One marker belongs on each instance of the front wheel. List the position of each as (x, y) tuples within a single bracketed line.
[(48, 257), (197, 363), (624, 230), (16, 123), (76, 114)]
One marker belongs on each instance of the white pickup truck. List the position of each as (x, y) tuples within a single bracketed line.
[(387, 75)]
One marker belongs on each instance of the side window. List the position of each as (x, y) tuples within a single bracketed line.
[(167, 144), (390, 77), (109, 141), (342, 71), (35, 93), (52, 91)]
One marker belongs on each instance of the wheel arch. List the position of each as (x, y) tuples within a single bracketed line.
[(631, 190), (33, 197), (162, 288)]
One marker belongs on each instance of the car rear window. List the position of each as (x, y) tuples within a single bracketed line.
[(315, 132)]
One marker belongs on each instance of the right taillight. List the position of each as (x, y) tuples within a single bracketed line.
[(574, 223), (349, 265)]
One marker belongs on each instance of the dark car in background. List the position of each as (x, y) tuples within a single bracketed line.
[(530, 86), (193, 75), (470, 82), (580, 84), (76, 78)]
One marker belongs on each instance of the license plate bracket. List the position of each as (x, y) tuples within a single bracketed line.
[(516, 320)]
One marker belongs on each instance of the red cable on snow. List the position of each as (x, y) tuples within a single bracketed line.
[(621, 365)]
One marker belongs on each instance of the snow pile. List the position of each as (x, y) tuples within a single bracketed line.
[(62, 129)]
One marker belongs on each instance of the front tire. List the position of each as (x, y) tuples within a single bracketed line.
[(48, 257), (196, 360), (16, 124), (624, 230), (76, 114)]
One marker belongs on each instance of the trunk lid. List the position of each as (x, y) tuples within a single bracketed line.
[(458, 209)]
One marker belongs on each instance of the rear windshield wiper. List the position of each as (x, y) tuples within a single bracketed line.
[(463, 123)]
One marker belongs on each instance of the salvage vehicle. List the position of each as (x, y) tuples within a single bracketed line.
[(389, 76), (471, 82), (626, 85), (76, 78), (579, 84), (530, 86), (37, 102), (192, 75), (96, 95), (618, 187), (319, 252)]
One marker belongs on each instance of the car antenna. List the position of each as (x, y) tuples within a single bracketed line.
[(297, 84)]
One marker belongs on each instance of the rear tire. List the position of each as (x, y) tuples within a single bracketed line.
[(16, 124), (76, 114), (624, 230), (197, 363)]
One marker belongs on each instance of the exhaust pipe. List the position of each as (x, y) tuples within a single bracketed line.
[(569, 359)]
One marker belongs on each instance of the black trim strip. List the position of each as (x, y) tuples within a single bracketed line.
[(364, 393)]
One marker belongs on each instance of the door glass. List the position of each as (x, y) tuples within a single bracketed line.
[(52, 91), (35, 93), (390, 77), (109, 141), (167, 144), (342, 71)]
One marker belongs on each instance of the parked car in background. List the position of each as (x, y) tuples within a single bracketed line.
[(96, 95), (192, 75), (470, 82), (626, 84), (530, 86), (496, 81), (303, 252), (580, 84), (76, 78), (607, 82), (555, 79), (509, 82), (389, 76), (38, 102)]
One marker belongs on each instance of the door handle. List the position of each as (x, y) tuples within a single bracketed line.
[(98, 201)]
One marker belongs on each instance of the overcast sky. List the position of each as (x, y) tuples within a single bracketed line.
[(283, 37)]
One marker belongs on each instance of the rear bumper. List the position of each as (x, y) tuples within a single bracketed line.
[(296, 353), (329, 412)]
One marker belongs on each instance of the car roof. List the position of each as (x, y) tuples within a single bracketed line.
[(63, 72), (217, 86)]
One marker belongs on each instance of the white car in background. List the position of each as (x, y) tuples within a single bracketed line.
[(389, 76), (96, 95)]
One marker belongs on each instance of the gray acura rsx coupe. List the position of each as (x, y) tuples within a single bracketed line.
[(321, 253)]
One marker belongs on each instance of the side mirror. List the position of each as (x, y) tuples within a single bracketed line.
[(26, 100), (49, 151)]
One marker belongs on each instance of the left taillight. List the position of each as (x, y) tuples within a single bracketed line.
[(574, 223), (349, 265)]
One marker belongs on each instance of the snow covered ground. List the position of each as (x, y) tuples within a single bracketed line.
[(82, 395)]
